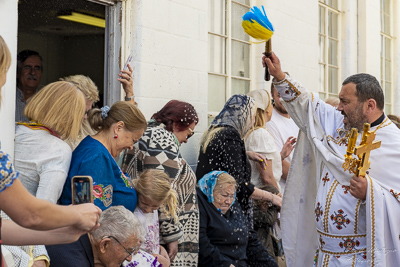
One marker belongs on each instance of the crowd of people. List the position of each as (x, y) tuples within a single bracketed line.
[(268, 190)]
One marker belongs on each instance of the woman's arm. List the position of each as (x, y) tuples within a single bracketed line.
[(30, 212), (13, 234), (266, 174), (265, 195)]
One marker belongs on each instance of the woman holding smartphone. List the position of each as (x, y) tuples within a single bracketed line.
[(28, 211)]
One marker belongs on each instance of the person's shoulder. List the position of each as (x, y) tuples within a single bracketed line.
[(90, 149)]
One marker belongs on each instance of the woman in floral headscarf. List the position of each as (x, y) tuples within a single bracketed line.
[(222, 148), (224, 233)]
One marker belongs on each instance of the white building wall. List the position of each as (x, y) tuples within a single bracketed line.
[(170, 45), (8, 30), (295, 41)]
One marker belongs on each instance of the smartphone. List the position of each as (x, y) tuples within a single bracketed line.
[(127, 61), (82, 189)]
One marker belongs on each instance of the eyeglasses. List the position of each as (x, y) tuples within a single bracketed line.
[(191, 133), (129, 252), (28, 68)]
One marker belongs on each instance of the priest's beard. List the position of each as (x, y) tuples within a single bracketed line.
[(355, 119)]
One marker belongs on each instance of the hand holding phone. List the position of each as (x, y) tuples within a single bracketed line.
[(82, 189), (127, 62)]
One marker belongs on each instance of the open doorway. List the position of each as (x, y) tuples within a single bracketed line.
[(67, 47)]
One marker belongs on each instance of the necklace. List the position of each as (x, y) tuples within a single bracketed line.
[(38, 126)]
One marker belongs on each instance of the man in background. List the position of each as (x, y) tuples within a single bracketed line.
[(29, 74)]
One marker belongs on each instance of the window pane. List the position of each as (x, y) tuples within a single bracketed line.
[(321, 20), (240, 86), (386, 23), (388, 109), (245, 2), (333, 24), (387, 48), (216, 93), (322, 49), (216, 54), (217, 16), (386, 6), (237, 30), (321, 78), (240, 59), (333, 3), (388, 92), (332, 52), (322, 96), (388, 70), (333, 80)]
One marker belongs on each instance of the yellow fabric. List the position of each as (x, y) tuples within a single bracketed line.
[(255, 30), (42, 257)]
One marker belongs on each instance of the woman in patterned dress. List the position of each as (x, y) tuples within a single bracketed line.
[(158, 148)]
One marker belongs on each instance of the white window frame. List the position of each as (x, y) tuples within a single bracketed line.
[(325, 90), (228, 54), (387, 36)]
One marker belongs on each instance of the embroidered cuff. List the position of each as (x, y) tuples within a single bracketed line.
[(287, 90)]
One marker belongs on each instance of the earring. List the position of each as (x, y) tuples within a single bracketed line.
[(115, 136)]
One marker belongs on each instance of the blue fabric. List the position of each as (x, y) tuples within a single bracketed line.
[(207, 185), (7, 172), (110, 186)]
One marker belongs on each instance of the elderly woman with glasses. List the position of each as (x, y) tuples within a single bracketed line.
[(225, 238), (117, 239), (158, 149)]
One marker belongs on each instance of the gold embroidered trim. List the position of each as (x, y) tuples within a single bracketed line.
[(328, 204), (396, 195), (342, 236), (326, 260), (295, 90), (356, 216), (380, 125), (279, 83), (312, 97), (340, 140), (372, 223), (354, 261), (344, 253)]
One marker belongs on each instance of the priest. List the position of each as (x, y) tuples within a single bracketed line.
[(331, 217)]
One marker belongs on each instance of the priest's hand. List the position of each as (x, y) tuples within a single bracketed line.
[(274, 66), (358, 187)]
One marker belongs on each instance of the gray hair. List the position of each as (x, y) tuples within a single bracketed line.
[(367, 87), (119, 222)]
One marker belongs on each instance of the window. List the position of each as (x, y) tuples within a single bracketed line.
[(229, 53), (386, 54), (329, 48)]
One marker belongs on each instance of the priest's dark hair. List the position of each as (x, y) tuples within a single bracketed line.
[(367, 87)]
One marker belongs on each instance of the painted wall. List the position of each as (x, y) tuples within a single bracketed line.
[(170, 46)]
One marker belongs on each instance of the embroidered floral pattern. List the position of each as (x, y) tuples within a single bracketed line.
[(316, 257), (364, 255), (126, 180), (349, 244), (325, 179), (346, 189), (396, 195), (306, 159), (340, 219), (318, 211), (7, 172), (103, 193), (342, 138), (321, 242)]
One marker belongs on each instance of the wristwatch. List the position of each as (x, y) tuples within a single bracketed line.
[(129, 98)]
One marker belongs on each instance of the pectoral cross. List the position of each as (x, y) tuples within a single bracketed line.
[(361, 165)]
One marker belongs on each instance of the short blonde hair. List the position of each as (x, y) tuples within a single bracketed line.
[(123, 111), (156, 185), (86, 85), (5, 59), (59, 106)]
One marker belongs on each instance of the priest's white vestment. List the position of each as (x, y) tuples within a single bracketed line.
[(322, 223)]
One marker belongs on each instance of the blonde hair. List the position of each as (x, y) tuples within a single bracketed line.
[(333, 101), (208, 136), (86, 85), (59, 106), (123, 111), (225, 178), (5, 59), (156, 185)]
